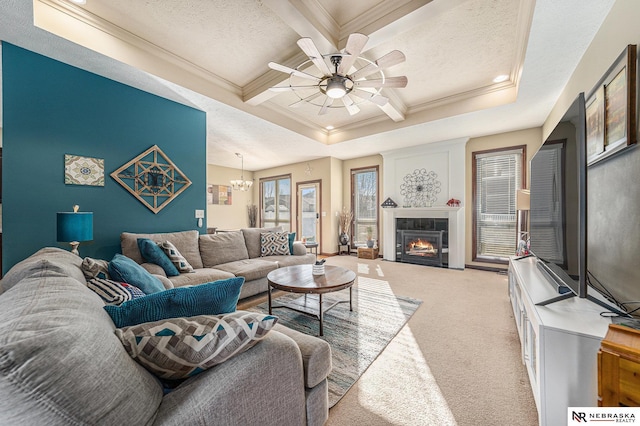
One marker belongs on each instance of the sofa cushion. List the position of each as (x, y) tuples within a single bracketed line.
[(177, 348), (200, 276), (152, 253), (113, 292), (175, 257), (61, 362), (185, 241), (95, 268), (274, 243), (214, 298), (252, 239), (292, 239), (125, 270), (46, 261), (250, 269), (224, 247), (284, 260)]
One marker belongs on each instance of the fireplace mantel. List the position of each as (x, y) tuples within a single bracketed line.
[(456, 229)]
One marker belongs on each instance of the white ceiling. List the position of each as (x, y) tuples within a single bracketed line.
[(213, 55)]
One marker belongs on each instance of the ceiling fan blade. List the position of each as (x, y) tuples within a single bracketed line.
[(309, 48), (386, 82), (307, 99), (392, 58), (373, 97), (287, 70), (354, 47), (350, 105), (325, 106), (290, 88)]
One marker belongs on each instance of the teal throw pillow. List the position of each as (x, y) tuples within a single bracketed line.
[(218, 297), (152, 253), (292, 238), (126, 270)]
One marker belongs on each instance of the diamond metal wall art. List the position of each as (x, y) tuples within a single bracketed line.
[(152, 178), (420, 188)]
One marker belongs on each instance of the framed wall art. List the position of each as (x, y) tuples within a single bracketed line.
[(83, 170), (219, 194), (611, 109)]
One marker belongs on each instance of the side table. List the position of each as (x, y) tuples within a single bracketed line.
[(312, 247), (343, 248)]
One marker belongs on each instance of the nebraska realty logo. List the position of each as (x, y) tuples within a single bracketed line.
[(582, 415)]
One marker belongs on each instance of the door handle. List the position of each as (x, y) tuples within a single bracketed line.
[(317, 215)]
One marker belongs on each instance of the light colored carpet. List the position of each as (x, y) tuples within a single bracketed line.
[(356, 337), (456, 362)]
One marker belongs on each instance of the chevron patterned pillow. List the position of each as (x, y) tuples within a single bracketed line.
[(178, 348), (274, 243), (175, 257)]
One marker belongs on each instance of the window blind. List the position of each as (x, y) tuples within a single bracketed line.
[(498, 177)]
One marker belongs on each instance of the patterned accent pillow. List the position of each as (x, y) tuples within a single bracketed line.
[(274, 243), (152, 253), (217, 297), (177, 348), (95, 268), (113, 292), (175, 257)]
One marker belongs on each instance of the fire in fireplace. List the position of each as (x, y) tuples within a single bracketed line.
[(421, 247), (423, 240)]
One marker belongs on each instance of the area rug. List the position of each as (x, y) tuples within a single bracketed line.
[(356, 337)]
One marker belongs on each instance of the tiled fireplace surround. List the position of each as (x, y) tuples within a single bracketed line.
[(447, 160)]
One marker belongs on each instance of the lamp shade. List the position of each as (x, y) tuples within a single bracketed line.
[(75, 226)]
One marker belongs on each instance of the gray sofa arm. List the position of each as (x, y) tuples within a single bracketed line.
[(261, 386), (299, 249), (316, 355)]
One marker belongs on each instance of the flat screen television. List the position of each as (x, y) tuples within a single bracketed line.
[(557, 215), (577, 219)]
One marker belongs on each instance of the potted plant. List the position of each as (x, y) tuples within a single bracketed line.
[(344, 223), (370, 236)]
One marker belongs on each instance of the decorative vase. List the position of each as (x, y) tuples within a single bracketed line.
[(343, 238), (370, 243)]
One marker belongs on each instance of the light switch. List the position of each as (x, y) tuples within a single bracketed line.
[(324, 214), (199, 214)]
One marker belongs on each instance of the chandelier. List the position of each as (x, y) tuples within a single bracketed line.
[(241, 184)]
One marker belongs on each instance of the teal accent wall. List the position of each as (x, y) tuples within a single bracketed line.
[(51, 109)]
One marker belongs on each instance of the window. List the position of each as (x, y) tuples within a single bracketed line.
[(364, 192), (497, 175), (275, 202)]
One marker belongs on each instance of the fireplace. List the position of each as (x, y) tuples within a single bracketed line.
[(423, 241)]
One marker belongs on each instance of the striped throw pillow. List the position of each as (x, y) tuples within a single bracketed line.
[(113, 292), (177, 348)]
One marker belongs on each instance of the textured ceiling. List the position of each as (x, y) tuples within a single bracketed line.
[(213, 54)]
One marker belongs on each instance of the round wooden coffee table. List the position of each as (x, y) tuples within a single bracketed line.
[(299, 279)]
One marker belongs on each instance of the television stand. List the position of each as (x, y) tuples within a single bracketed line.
[(559, 342), (563, 296)]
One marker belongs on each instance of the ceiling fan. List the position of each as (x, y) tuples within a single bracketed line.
[(344, 81)]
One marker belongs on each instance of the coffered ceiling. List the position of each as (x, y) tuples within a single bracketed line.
[(213, 54)]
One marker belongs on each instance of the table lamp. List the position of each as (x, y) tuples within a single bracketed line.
[(74, 227)]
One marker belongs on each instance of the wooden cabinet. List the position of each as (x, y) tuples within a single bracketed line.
[(559, 343), (619, 368)]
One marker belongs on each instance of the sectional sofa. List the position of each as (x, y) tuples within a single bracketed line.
[(219, 256), (61, 362)]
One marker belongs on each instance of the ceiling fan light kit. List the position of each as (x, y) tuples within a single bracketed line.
[(341, 82)]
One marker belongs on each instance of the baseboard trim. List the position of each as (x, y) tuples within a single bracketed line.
[(486, 268)]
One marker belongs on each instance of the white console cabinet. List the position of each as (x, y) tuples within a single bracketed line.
[(559, 341)]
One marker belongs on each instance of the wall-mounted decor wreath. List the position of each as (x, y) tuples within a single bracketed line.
[(420, 188)]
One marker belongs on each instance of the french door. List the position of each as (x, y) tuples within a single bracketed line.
[(308, 211)]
